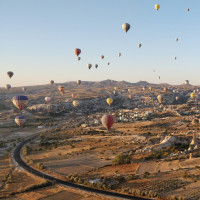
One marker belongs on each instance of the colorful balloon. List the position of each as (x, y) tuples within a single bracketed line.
[(165, 89), (102, 57), (157, 6), (24, 89), (139, 45), (107, 121), (20, 101), (8, 87), (77, 51), (130, 96), (160, 98), (115, 88), (10, 74), (75, 103), (20, 120), (61, 89), (47, 99), (109, 101), (51, 82), (150, 88), (96, 66), (79, 58), (186, 82), (89, 66), (78, 82), (126, 27), (119, 54), (192, 95), (188, 9)]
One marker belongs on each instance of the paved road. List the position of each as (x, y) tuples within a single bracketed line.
[(21, 163)]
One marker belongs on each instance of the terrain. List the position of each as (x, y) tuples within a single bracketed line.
[(151, 151)]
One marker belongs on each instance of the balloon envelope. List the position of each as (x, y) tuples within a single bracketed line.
[(20, 101), (77, 51), (107, 121), (75, 103), (126, 27), (157, 6), (51, 82), (10, 74), (8, 86), (160, 98), (20, 120), (61, 89), (109, 101), (89, 66), (78, 82), (47, 99), (96, 66)]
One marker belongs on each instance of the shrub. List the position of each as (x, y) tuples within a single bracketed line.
[(121, 159)]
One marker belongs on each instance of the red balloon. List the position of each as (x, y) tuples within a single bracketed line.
[(102, 57), (107, 121), (77, 51), (130, 96)]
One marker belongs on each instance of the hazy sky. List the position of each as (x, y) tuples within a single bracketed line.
[(38, 37)]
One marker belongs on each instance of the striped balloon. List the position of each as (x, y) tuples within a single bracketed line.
[(20, 120), (107, 121), (20, 101)]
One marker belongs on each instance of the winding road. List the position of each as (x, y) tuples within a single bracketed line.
[(18, 159)]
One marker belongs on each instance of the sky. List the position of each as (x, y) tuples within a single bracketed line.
[(38, 38)]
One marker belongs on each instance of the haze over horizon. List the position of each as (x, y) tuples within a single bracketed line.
[(38, 40)]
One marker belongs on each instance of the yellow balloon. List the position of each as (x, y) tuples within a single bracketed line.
[(192, 95), (109, 101), (150, 88), (115, 88), (160, 98), (75, 103), (157, 6)]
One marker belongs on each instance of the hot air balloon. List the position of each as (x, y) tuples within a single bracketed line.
[(126, 27), (115, 88), (77, 51), (75, 103), (188, 9), (150, 88), (177, 98), (96, 66), (177, 39), (144, 88), (20, 120), (159, 77), (47, 99), (10, 74), (61, 89), (165, 89), (160, 98), (51, 82), (115, 92), (109, 101), (89, 66), (129, 90), (119, 54), (102, 57), (175, 58), (130, 96), (78, 82), (73, 96), (107, 121), (79, 58), (186, 82), (157, 6), (8, 86), (108, 63), (192, 95), (24, 89), (139, 45), (20, 101)]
